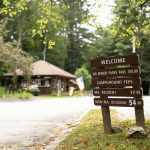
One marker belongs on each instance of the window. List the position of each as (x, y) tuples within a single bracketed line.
[(43, 83)]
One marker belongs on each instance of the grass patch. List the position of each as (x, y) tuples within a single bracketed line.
[(89, 135), (2, 91)]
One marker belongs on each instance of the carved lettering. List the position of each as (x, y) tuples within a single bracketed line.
[(113, 61)]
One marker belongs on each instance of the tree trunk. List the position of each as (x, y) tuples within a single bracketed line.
[(149, 88), (44, 51), (14, 81), (20, 33)]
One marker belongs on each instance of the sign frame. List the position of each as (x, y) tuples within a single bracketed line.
[(106, 68)]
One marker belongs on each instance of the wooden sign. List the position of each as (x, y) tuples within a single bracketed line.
[(130, 92), (121, 60), (119, 82), (128, 71), (116, 82), (123, 102)]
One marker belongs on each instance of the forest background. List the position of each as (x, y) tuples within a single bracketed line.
[(66, 34)]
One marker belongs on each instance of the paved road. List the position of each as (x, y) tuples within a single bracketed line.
[(30, 122), (36, 121)]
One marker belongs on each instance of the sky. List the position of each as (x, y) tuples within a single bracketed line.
[(103, 10)]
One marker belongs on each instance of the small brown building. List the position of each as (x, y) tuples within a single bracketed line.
[(48, 77)]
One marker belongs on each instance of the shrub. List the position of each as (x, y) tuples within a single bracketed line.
[(53, 93), (23, 95), (64, 94), (86, 76), (2, 91), (80, 93)]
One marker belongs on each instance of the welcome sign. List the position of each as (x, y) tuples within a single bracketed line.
[(116, 82), (121, 60)]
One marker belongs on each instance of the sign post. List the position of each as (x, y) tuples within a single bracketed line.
[(116, 82), (106, 119)]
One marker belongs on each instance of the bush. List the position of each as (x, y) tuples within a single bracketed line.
[(86, 76), (80, 93), (23, 95), (53, 93), (2, 91), (64, 94)]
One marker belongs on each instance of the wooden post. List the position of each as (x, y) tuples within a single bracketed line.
[(106, 119), (139, 115)]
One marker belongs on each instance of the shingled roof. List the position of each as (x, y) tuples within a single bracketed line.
[(43, 68)]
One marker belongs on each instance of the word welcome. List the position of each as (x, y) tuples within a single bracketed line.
[(113, 61)]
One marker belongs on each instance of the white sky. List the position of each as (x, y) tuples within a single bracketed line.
[(102, 9)]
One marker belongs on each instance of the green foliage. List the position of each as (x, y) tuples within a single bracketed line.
[(86, 76), (78, 37), (145, 60), (20, 95), (23, 95), (11, 8), (64, 94), (12, 57), (132, 20), (2, 71), (2, 91), (107, 44), (53, 28), (55, 32), (80, 93), (53, 93), (132, 17)]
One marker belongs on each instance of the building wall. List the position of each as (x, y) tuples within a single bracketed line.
[(46, 84)]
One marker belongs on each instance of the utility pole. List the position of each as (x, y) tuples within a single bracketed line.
[(133, 44), (45, 50), (134, 40)]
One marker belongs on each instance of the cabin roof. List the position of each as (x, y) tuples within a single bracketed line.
[(43, 68)]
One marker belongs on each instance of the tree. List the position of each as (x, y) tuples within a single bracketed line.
[(43, 34), (132, 18), (78, 36), (86, 76), (13, 58), (55, 27), (133, 21)]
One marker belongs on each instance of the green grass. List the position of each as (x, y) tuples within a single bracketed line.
[(89, 135), (2, 91)]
